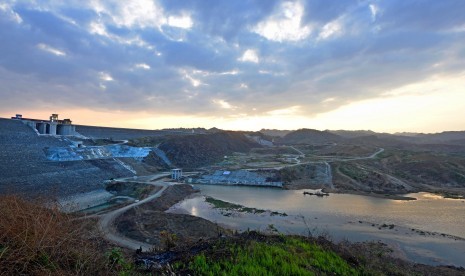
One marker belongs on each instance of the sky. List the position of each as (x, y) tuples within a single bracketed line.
[(384, 65)]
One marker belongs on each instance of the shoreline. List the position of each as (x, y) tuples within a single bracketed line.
[(376, 195), (420, 246)]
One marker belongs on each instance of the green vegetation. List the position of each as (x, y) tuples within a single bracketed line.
[(118, 262), (134, 190), (286, 256), (353, 172), (228, 206), (168, 239)]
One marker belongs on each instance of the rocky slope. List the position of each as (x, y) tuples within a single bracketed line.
[(199, 150)]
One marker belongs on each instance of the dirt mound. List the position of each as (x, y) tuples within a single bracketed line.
[(150, 224), (152, 227)]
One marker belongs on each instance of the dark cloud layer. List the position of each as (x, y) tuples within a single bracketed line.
[(222, 57)]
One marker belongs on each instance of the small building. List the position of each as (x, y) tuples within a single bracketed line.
[(53, 126), (176, 174), (238, 177), (54, 118)]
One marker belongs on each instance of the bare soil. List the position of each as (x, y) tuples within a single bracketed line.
[(147, 222)]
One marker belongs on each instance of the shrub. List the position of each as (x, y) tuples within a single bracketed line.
[(35, 240)]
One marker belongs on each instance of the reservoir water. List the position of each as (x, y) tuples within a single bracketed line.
[(429, 230)]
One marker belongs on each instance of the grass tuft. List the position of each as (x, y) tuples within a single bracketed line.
[(289, 256)]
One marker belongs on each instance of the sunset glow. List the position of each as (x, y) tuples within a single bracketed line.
[(388, 66)]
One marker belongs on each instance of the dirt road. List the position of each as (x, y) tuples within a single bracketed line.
[(106, 222)]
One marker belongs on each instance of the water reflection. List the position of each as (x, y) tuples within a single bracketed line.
[(428, 213), (194, 211), (355, 217)]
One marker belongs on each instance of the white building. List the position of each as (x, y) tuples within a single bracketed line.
[(176, 173)]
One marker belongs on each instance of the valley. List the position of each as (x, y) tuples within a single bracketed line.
[(235, 181)]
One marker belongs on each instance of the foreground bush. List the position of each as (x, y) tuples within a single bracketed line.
[(270, 256), (41, 241)]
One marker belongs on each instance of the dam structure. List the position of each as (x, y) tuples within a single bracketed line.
[(53, 126)]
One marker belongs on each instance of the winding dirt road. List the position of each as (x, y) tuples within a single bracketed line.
[(106, 222)]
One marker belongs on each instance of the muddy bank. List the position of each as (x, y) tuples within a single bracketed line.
[(377, 195), (324, 188), (301, 185), (150, 224)]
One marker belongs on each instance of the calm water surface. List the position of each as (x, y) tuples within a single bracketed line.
[(429, 212), (339, 215)]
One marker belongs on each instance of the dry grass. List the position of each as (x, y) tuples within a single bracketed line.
[(35, 240)]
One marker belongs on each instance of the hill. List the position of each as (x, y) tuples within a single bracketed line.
[(443, 137), (352, 133), (275, 132), (310, 136), (199, 150)]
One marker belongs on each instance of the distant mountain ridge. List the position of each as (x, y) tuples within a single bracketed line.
[(310, 136), (352, 133), (303, 136), (275, 132)]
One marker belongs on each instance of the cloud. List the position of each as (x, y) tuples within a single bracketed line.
[(223, 58), (223, 104), (422, 15), (293, 110), (285, 24), (184, 21), (50, 49), (105, 76), (136, 13), (142, 66), (374, 11), (9, 13), (330, 29), (249, 56)]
